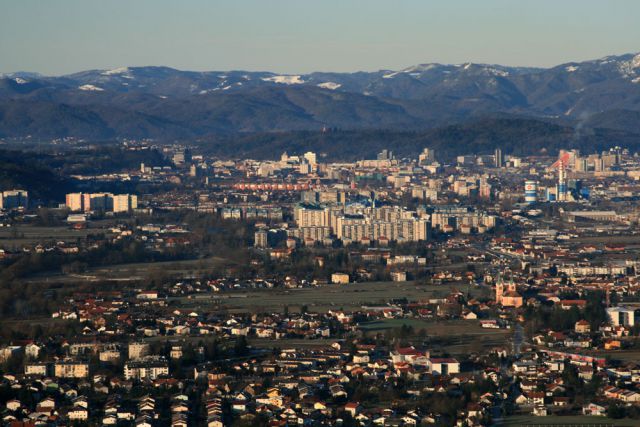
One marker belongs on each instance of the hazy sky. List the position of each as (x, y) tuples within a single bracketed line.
[(297, 36)]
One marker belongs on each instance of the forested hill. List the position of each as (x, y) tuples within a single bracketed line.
[(27, 171), (166, 104), (513, 135)]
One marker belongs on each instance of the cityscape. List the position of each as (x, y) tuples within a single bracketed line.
[(445, 244)]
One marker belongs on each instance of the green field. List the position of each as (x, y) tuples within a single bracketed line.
[(609, 239), (18, 236), (456, 337), (576, 421), (323, 298), (134, 271), (435, 327), (622, 355)]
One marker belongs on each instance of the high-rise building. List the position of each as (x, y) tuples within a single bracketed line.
[(323, 197), (562, 182), (14, 199), (309, 216), (530, 191), (581, 164), (498, 158), (75, 202), (385, 155), (427, 156), (261, 238), (310, 156), (105, 202), (125, 202), (181, 157), (98, 202)]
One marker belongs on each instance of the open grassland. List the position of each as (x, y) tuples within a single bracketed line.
[(144, 269), (323, 298), (440, 328), (622, 355), (456, 337), (25, 235), (134, 272), (631, 241), (575, 421)]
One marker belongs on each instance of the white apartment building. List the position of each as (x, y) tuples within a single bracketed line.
[(148, 368)]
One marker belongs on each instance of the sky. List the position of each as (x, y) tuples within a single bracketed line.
[(56, 37)]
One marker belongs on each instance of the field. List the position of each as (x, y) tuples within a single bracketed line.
[(17, 236), (575, 421), (320, 299), (610, 239), (438, 328), (622, 355), (456, 337), (134, 271)]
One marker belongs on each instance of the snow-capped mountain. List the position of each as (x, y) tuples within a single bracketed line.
[(197, 103)]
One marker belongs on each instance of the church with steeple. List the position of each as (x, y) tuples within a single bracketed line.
[(507, 294)]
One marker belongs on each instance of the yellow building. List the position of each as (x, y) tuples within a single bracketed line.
[(508, 295), (340, 278), (71, 370)]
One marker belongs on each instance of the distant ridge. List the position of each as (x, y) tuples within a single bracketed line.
[(166, 104)]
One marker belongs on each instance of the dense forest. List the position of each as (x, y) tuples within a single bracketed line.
[(47, 174), (517, 136)]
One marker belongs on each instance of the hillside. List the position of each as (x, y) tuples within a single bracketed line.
[(27, 171), (167, 104), (518, 136)]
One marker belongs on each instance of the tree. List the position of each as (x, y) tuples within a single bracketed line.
[(241, 348)]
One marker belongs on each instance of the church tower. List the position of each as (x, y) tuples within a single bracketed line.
[(512, 286), (499, 289)]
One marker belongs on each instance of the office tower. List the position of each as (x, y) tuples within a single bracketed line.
[(385, 155), (562, 182), (530, 191), (499, 160), (311, 158), (427, 156)]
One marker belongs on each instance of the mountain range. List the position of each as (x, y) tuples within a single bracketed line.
[(169, 104)]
